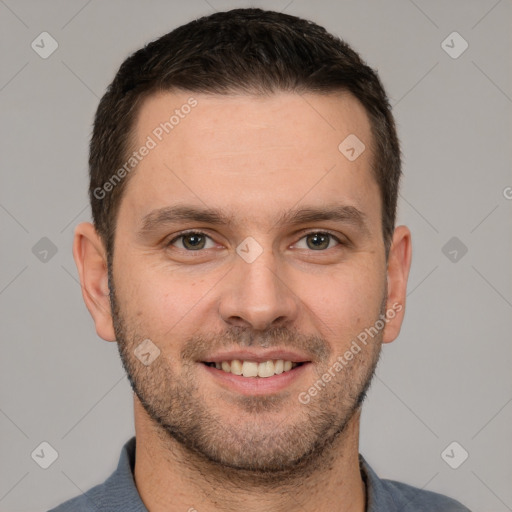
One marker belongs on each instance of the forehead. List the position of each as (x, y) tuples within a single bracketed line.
[(308, 122), (251, 151)]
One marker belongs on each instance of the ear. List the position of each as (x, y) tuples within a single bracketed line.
[(399, 263), (91, 261)]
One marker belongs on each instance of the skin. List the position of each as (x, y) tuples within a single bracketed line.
[(201, 444)]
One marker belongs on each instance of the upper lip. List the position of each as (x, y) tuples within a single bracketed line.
[(259, 356)]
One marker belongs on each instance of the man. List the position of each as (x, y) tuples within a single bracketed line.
[(244, 177)]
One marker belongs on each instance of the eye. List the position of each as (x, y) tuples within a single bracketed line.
[(191, 241), (196, 241), (319, 241)]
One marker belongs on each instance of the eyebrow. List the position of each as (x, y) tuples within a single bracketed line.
[(182, 213)]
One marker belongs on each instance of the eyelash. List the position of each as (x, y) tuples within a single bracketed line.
[(304, 235)]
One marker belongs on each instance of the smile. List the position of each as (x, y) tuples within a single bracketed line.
[(253, 368)]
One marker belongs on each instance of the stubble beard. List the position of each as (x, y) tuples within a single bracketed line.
[(258, 443)]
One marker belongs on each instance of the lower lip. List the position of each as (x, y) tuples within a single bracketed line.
[(256, 385)]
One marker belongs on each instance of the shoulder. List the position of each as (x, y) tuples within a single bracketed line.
[(118, 492), (407, 497), (90, 502), (392, 496)]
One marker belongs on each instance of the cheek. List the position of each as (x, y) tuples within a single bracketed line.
[(346, 301), (157, 298)]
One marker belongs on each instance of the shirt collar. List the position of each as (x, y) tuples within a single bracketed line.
[(378, 499)]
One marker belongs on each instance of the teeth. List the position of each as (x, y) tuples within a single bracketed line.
[(249, 369), (254, 369), (266, 369), (236, 367)]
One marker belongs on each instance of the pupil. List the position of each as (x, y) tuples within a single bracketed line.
[(318, 237), (193, 240)]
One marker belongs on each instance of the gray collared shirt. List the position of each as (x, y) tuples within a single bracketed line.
[(118, 493)]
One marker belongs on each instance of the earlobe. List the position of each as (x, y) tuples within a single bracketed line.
[(398, 266), (91, 262)]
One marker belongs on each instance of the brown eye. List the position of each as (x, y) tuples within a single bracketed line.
[(319, 241), (192, 241)]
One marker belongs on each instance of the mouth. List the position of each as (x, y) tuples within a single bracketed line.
[(257, 378), (255, 369), (255, 372)]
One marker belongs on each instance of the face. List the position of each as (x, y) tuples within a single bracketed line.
[(249, 251)]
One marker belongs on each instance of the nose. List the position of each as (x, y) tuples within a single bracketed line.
[(258, 295)]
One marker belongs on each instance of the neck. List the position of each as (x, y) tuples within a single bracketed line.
[(171, 478)]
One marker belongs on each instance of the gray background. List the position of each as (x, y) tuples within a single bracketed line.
[(447, 377)]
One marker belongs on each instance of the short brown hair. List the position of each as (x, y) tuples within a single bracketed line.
[(249, 51)]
